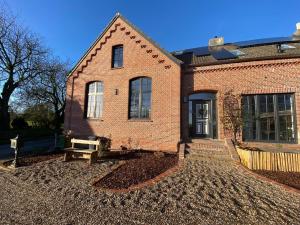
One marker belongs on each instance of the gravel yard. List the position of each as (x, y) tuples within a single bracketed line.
[(206, 191)]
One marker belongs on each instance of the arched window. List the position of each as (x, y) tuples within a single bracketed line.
[(140, 98), (94, 106)]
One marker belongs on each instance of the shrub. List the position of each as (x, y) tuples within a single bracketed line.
[(19, 123), (105, 143)]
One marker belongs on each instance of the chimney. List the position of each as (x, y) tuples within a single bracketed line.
[(216, 41), (297, 33)]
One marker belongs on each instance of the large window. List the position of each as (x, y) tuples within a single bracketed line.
[(117, 56), (140, 98), (269, 117), (94, 106)]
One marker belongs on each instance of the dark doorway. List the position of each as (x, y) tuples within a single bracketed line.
[(201, 118), (202, 115)]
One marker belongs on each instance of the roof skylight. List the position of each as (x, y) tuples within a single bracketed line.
[(237, 52), (286, 46)]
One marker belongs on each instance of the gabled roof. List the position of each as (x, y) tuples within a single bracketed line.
[(252, 50), (118, 15)]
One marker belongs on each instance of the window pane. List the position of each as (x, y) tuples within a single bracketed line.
[(264, 128), (117, 56), (288, 101), (271, 128), (134, 98), (263, 103), (91, 106), (97, 106), (146, 97), (92, 87), (99, 87), (280, 101), (140, 98), (270, 105), (286, 128)]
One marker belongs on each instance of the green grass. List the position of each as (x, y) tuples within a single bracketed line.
[(26, 134)]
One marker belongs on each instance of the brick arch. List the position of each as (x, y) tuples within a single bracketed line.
[(139, 76)]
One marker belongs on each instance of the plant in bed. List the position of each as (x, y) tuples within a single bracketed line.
[(105, 145)]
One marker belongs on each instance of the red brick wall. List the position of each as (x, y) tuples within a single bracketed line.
[(141, 58), (272, 76)]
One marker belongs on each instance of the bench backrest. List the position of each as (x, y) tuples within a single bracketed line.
[(86, 142)]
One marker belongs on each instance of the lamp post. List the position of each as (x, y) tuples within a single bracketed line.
[(16, 144)]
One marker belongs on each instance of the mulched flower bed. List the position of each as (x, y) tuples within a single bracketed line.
[(138, 170), (33, 159), (291, 179)]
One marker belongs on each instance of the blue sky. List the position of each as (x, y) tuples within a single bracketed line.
[(69, 27)]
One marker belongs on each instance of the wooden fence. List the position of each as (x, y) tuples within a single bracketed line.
[(275, 161)]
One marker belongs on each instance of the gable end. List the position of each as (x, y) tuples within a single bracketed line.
[(88, 56)]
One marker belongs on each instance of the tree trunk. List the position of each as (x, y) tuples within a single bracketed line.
[(4, 116), (58, 116), (58, 119), (8, 89)]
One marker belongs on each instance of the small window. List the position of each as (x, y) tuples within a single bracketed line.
[(94, 105), (117, 56), (140, 98)]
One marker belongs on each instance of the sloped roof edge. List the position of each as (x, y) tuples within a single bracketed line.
[(118, 15)]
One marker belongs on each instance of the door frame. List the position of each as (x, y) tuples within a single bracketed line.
[(209, 121)]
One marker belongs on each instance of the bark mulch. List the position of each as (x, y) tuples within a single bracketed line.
[(138, 170), (291, 179)]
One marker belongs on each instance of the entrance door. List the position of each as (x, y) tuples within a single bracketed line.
[(201, 118)]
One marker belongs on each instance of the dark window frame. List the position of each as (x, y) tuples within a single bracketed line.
[(140, 99), (117, 62), (257, 118)]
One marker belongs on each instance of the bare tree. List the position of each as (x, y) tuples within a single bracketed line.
[(21, 59), (49, 88), (232, 113)]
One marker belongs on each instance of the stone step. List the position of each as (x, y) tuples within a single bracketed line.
[(207, 147), (213, 141), (204, 156), (200, 147), (206, 152)]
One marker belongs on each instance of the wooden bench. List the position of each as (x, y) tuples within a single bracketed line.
[(82, 153)]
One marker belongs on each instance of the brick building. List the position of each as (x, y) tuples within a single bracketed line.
[(142, 96)]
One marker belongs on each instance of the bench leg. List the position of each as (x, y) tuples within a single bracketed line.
[(93, 158), (67, 156)]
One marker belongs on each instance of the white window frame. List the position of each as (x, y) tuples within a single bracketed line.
[(92, 105)]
